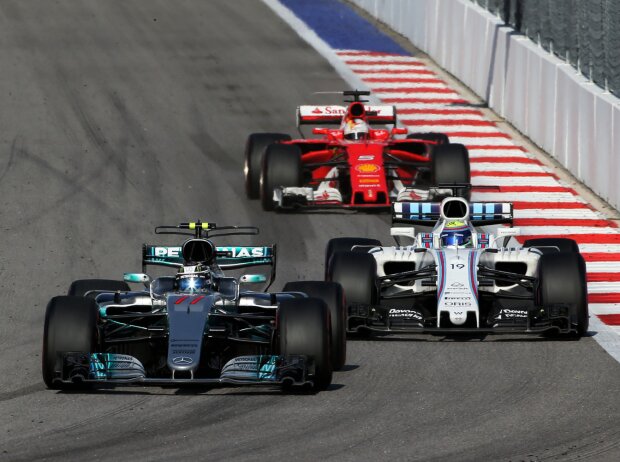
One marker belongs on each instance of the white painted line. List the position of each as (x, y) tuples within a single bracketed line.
[(506, 167), (568, 214), (526, 197), (603, 266), (514, 181), (437, 117), (599, 248), (603, 287), (559, 230), (422, 95), (492, 141), (397, 85), (604, 308), (446, 128)]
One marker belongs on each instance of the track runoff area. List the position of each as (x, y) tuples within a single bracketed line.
[(543, 205)]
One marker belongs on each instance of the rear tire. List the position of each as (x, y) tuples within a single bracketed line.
[(341, 244), (304, 329), (80, 287), (545, 245), (255, 148), (562, 280), (450, 165), (70, 325), (333, 296), (281, 167)]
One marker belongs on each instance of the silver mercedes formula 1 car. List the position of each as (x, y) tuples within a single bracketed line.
[(198, 325), (460, 274)]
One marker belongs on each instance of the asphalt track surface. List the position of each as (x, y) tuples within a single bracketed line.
[(119, 116)]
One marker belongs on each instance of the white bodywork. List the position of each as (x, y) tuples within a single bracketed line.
[(457, 284)]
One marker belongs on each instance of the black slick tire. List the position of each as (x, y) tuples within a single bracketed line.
[(340, 244), (70, 325), (281, 167), (333, 296), (439, 138), (304, 329), (562, 281), (450, 165), (552, 245), (255, 147)]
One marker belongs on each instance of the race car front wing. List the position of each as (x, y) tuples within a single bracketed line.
[(384, 320), (80, 367)]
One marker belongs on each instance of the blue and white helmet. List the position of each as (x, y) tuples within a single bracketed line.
[(456, 234)]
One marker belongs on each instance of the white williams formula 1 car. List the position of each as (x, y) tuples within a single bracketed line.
[(454, 278)]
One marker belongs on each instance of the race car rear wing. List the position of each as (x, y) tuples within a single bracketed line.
[(332, 115), (427, 213), (228, 257)]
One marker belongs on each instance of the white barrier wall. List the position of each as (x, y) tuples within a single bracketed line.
[(546, 99)]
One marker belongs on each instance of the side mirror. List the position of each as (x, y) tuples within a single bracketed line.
[(137, 278), (505, 232), (399, 131), (320, 131), (399, 233), (252, 279)]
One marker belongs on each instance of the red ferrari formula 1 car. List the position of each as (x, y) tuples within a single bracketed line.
[(358, 165)]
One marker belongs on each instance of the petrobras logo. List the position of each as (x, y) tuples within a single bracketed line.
[(367, 168), (240, 252), (166, 252)]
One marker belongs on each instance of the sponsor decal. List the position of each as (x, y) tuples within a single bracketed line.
[(367, 168), (366, 157), (369, 180), (459, 303), (244, 251), (508, 313), (404, 313), (182, 360), (172, 252), (456, 285), (317, 110)]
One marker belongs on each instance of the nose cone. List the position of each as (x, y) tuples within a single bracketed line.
[(458, 318)]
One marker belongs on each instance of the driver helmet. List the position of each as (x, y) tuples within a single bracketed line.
[(193, 279), (456, 233), (356, 129)]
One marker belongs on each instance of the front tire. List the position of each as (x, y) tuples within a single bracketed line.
[(281, 167), (356, 272), (342, 244), (304, 329), (548, 244), (255, 148), (70, 325), (562, 281), (333, 296), (439, 138)]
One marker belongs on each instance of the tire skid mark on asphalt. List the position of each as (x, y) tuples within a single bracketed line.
[(23, 391)]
